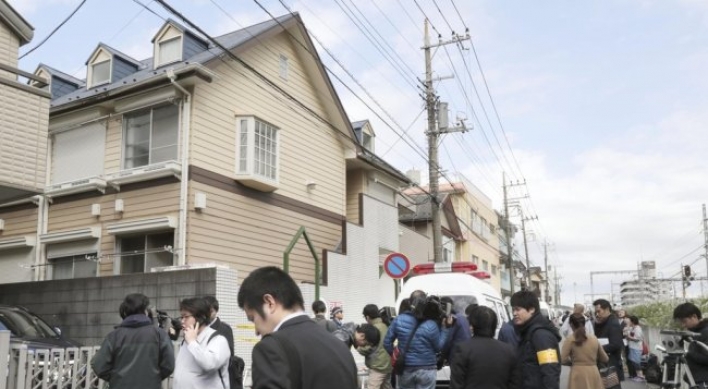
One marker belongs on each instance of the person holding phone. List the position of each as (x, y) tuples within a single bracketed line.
[(203, 358)]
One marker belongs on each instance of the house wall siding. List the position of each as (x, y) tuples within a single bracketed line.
[(245, 233), (114, 149), (60, 87), (355, 186), (156, 201), (23, 138), (9, 45), (306, 144), (19, 222)]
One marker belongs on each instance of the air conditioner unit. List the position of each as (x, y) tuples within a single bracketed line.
[(145, 173), (77, 186)]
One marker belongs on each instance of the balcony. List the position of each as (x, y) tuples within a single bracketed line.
[(24, 116)]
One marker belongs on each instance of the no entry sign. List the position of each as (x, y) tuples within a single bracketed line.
[(397, 265)]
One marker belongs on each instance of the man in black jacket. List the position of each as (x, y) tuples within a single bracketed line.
[(539, 357), (691, 319), (216, 323), (136, 354), (295, 352), (609, 332)]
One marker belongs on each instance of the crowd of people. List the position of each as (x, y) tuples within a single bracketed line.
[(405, 352)]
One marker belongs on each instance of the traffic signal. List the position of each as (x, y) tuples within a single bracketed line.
[(687, 272)]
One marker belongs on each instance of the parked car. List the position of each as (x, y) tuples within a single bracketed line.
[(28, 329)]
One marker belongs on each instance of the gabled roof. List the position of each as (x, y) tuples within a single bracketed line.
[(58, 73), (378, 163), (16, 22), (114, 52), (359, 124), (423, 212), (179, 27)]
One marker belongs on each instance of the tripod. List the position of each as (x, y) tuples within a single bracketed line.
[(674, 367)]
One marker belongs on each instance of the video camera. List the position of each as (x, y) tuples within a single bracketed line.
[(673, 341), (430, 308), (387, 314), (164, 321)]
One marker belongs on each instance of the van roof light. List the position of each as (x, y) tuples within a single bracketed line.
[(482, 275), (449, 267)]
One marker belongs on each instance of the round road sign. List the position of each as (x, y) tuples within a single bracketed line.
[(397, 265)]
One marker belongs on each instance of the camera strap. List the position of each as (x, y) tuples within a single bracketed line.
[(408, 343)]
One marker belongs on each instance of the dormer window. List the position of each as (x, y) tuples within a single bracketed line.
[(99, 68), (169, 50), (101, 73)]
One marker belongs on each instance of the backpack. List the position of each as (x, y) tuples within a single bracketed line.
[(235, 368), (652, 371)]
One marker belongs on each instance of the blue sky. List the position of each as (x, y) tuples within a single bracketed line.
[(603, 104)]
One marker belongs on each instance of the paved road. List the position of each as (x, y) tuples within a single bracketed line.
[(625, 384)]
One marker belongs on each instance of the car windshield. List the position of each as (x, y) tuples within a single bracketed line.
[(25, 325), (461, 302)]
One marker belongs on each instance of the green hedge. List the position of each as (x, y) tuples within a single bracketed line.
[(660, 314)]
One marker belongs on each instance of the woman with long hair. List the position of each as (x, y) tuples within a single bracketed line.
[(582, 351), (635, 339)]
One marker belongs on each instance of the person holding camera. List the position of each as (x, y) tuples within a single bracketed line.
[(690, 318), (136, 354), (203, 359), (420, 337), (459, 332)]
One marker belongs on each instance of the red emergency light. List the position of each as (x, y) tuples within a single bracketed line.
[(453, 267), (482, 275)]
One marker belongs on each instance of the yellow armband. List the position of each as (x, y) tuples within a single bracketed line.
[(547, 356)]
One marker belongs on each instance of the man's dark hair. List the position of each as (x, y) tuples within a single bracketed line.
[(371, 333), (483, 321), (525, 299), (633, 319), (372, 311), (469, 308), (687, 310), (604, 304), (447, 299), (196, 307), (133, 304), (273, 281), (405, 306), (319, 307), (212, 302), (417, 294)]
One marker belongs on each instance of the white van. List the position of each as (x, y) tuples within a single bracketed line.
[(463, 288)]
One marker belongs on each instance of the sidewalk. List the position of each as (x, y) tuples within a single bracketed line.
[(625, 384)]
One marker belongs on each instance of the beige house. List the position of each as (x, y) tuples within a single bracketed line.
[(189, 157), (470, 227)]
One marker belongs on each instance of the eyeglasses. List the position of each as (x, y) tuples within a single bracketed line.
[(185, 317)]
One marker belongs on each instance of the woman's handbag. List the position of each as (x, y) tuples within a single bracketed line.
[(610, 379)]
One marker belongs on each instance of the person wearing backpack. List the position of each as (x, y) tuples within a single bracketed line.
[(203, 358), (236, 363), (539, 357)]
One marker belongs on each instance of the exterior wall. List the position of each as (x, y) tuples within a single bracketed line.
[(60, 87), (23, 138), (114, 147), (121, 69), (417, 246), (306, 144), (246, 233), (191, 46), (151, 202), (15, 263), (9, 45), (355, 186), (86, 310), (476, 245)]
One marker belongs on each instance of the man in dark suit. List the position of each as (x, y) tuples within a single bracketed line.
[(295, 352)]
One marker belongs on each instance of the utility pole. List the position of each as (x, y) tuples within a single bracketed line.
[(507, 228), (526, 247), (433, 136), (545, 271), (705, 236)]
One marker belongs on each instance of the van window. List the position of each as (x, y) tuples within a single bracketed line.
[(460, 303), (503, 314)]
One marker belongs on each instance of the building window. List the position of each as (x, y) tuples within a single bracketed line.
[(140, 253), (475, 260), (447, 255), (73, 266), (100, 72), (284, 67), (151, 136), (170, 50), (257, 148), (485, 265), (494, 270)]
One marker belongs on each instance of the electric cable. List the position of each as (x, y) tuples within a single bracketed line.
[(54, 30)]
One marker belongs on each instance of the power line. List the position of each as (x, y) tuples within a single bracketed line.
[(54, 30), (443, 16), (460, 15), (426, 16)]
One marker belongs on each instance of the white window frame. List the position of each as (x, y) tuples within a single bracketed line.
[(150, 110), (245, 167), (160, 61), (144, 235), (283, 67), (110, 71)]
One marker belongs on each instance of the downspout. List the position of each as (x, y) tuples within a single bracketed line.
[(184, 184)]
